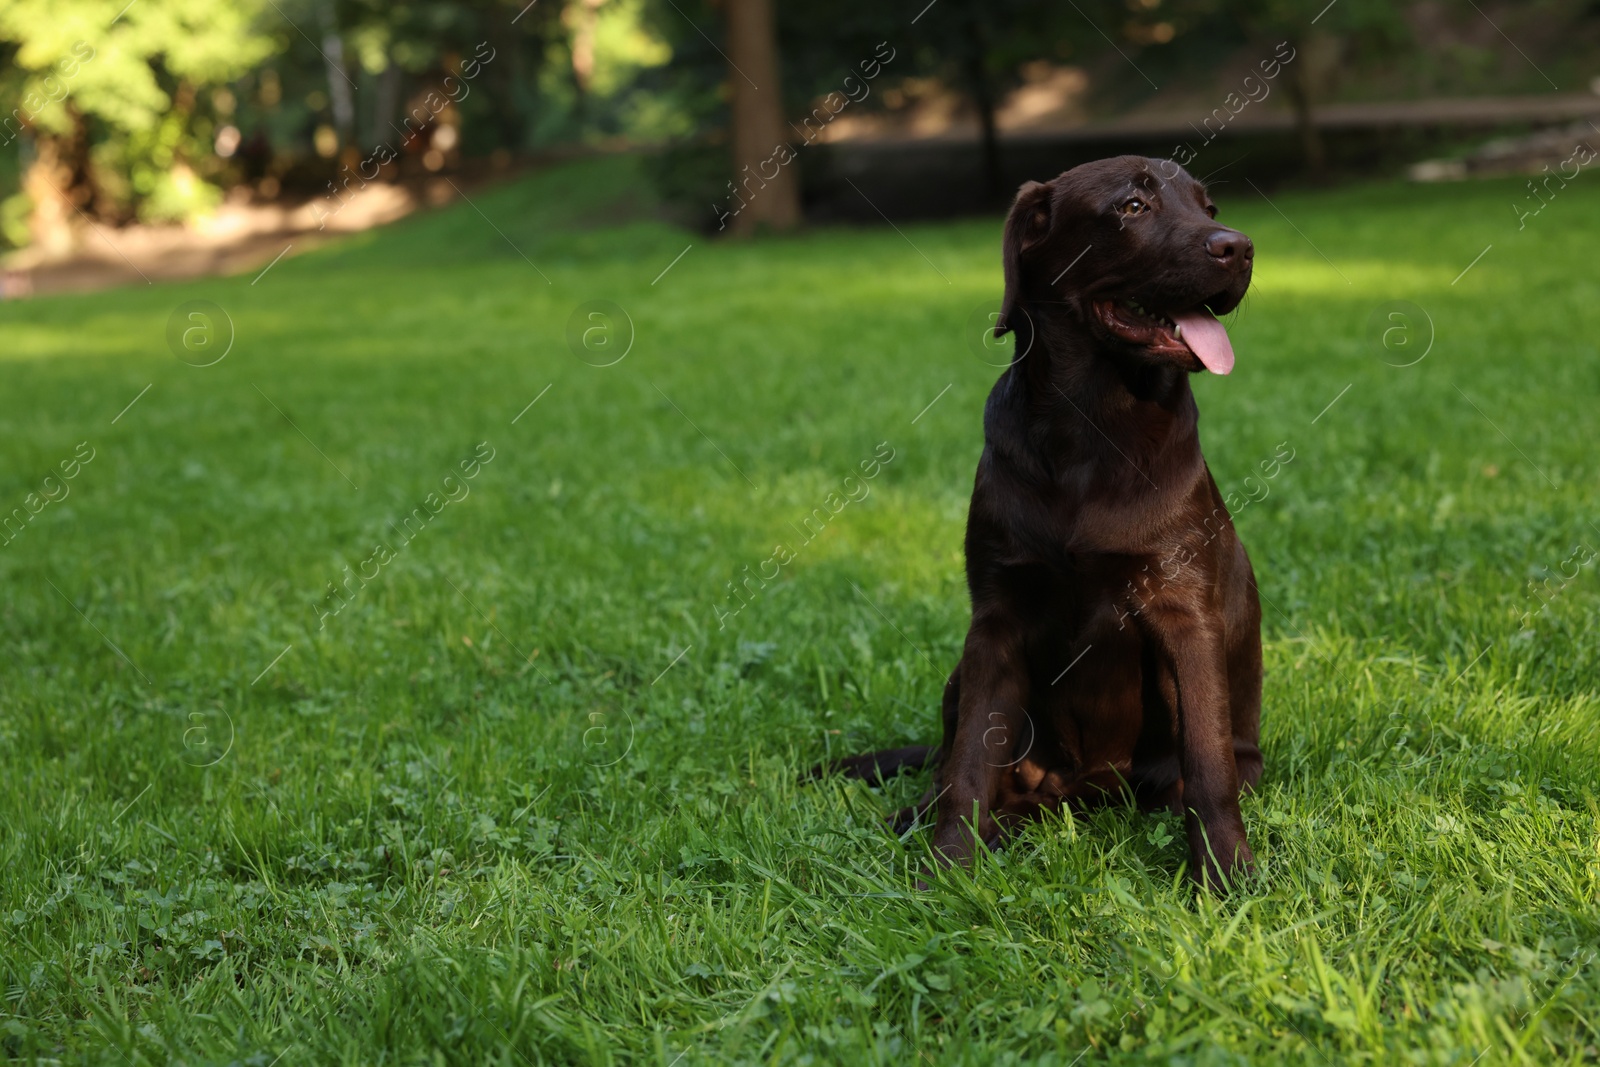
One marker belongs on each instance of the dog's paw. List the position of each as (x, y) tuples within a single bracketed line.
[(1214, 874)]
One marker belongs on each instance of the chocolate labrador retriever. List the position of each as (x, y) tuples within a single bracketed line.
[(1115, 642)]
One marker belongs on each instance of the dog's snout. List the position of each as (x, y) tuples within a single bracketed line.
[(1231, 249)]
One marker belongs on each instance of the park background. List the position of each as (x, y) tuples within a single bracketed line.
[(404, 404)]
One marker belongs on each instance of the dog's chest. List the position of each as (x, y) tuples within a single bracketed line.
[(1078, 539)]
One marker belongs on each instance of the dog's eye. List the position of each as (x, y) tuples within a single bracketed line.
[(1135, 207), (1211, 209)]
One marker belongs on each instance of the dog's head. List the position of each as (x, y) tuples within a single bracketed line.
[(1131, 245)]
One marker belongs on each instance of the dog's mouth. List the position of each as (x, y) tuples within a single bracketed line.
[(1193, 332)]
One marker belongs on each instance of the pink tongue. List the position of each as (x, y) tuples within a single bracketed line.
[(1206, 338)]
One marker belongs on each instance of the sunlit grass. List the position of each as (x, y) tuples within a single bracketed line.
[(532, 795)]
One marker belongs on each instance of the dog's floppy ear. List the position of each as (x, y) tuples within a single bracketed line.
[(1027, 224)]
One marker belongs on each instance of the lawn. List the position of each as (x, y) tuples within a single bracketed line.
[(523, 788)]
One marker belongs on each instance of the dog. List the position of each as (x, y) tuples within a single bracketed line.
[(1115, 642)]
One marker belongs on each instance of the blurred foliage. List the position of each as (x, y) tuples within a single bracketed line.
[(1193, 50), (113, 87), (150, 110)]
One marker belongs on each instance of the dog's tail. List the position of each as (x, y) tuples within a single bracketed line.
[(878, 766)]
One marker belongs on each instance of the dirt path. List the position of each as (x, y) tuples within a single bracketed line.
[(238, 237)]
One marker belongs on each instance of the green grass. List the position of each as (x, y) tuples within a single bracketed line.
[(523, 800)]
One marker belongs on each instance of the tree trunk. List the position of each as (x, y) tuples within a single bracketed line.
[(982, 89), (511, 85), (1305, 124), (57, 183), (339, 82), (385, 105), (584, 14), (1316, 68), (768, 188)]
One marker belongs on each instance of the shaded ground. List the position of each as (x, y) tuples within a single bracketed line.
[(1190, 124), (248, 236)]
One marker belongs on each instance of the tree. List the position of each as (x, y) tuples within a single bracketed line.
[(412, 47), (978, 46), (110, 97), (758, 128), (1320, 42)]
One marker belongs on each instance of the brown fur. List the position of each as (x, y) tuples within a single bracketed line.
[(1115, 638)]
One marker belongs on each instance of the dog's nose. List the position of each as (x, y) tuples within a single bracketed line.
[(1231, 248)]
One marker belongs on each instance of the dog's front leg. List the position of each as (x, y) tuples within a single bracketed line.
[(1194, 647), (990, 723)]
